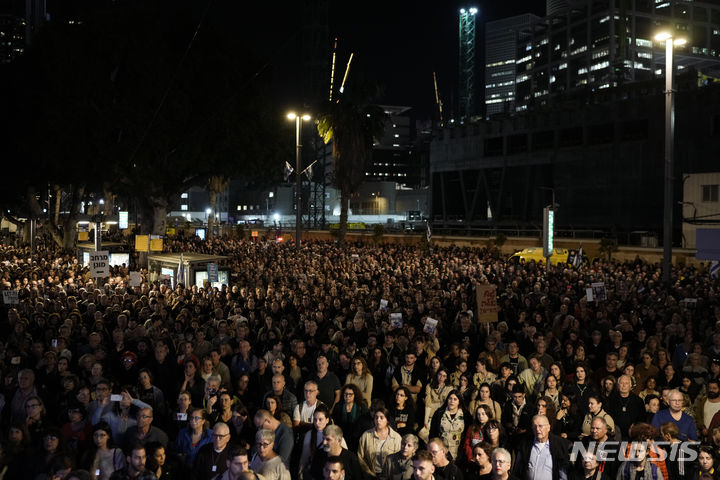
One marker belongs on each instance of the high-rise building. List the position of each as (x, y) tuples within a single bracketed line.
[(391, 154), (12, 37), (501, 42), (605, 43)]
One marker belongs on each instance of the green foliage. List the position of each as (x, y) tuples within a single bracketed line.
[(352, 123), (608, 246), (378, 232), (131, 97), (500, 239)]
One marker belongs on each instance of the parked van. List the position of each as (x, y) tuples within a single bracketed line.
[(559, 256)]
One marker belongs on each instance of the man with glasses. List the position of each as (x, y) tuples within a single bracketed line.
[(144, 431), (675, 414), (303, 414), (544, 456), (266, 463), (212, 459), (102, 398)]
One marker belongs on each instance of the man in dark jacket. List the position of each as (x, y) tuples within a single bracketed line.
[(517, 414), (332, 448), (544, 455)]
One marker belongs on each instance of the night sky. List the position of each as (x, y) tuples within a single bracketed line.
[(397, 43)]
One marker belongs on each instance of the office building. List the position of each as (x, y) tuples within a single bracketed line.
[(501, 44), (605, 43)]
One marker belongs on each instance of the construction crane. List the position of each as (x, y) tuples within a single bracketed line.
[(437, 99), (466, 77), (332, 70)]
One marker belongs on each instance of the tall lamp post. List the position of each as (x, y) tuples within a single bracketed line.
[(670, 42), (298, 178)]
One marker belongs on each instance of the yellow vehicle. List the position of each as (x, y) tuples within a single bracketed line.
[(559, 256)]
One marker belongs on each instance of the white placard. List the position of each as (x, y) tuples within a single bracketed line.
[(430, 325), (396, 320), (100, 264), (383, 304), (589, 294), (135, 279), (10, 297)]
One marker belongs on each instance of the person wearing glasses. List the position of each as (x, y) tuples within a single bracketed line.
[(349, 412), (361, 376), (675, 414), (211, 459), (303, 414), (501, 463), (266, 463), (35, 418), (193, 437), (144, 431), (282, 435)]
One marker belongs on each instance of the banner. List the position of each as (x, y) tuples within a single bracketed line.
[(487, 303)]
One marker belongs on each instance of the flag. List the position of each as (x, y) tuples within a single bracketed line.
[(181, 272), (428, 234), (715, 269), (309, 170), (577, 261), (288, 171)]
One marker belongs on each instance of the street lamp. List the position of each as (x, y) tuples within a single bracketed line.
[(298, 179), (670, 42)]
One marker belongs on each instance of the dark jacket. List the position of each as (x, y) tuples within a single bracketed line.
[(558, 451), (353, 470)]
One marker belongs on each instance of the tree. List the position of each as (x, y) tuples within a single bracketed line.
[(352, 123), (136, 101), (216, 184)]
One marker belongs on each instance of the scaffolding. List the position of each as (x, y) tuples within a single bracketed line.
[(315, 53)]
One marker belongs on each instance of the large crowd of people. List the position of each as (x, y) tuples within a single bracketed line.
[(357, 362)]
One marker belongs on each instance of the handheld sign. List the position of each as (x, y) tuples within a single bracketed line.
[(10, 297), (487, 303), (212, 270), (100, 263), (135, 279), (430, 325)]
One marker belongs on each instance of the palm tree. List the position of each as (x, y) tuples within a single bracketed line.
[(352, 127), (216, 185)]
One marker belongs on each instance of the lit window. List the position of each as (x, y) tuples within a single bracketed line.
[(183, 207)]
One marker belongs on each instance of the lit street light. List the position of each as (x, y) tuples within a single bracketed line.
[(298, 178), (670, 42)]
